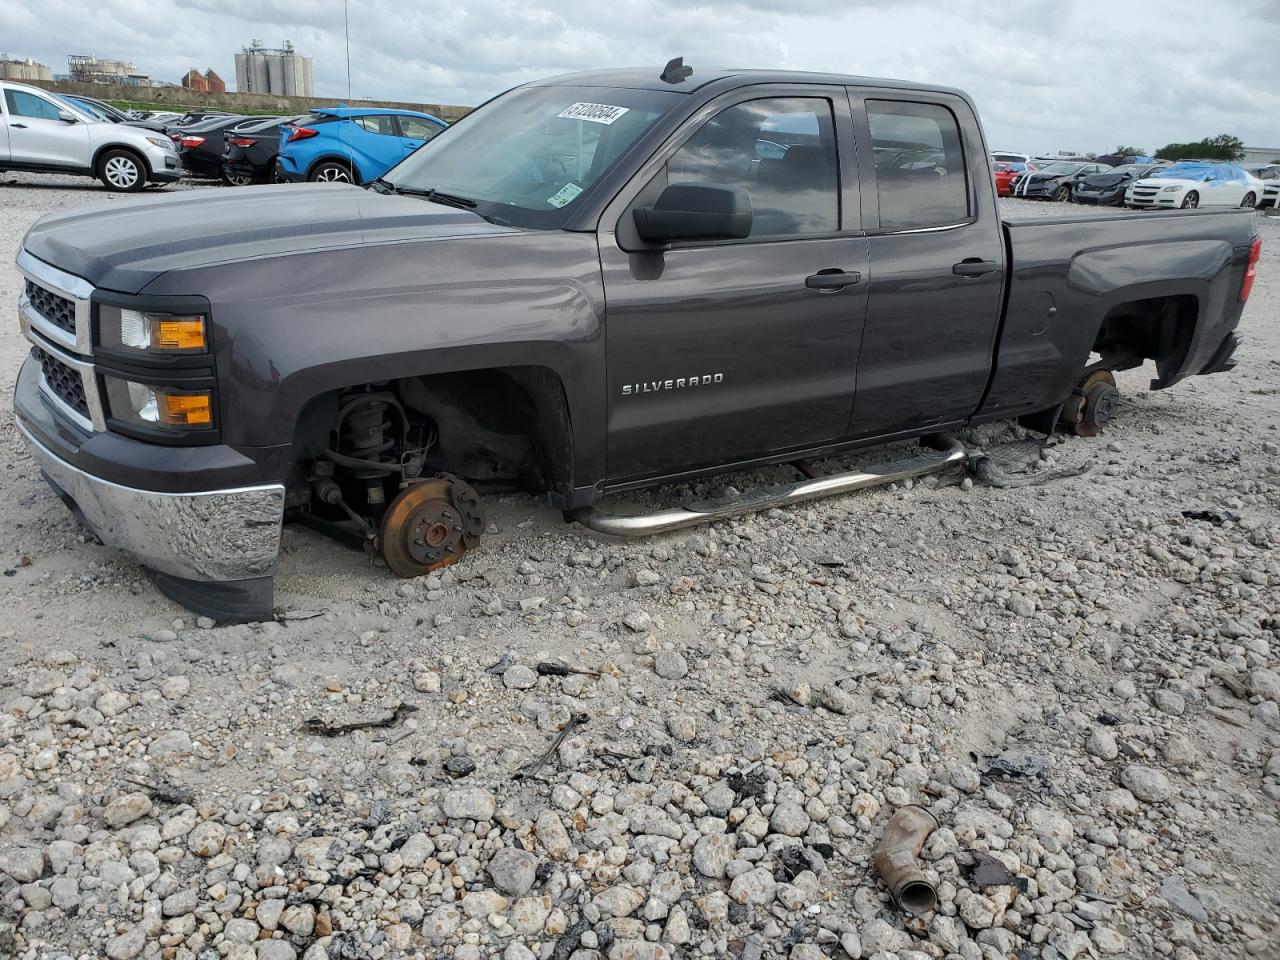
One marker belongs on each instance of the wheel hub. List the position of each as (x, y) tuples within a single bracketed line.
[(1092, 405), (430, 525)]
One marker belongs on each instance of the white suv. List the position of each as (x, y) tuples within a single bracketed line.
[(41, 133)]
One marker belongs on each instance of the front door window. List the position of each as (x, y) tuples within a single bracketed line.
[(782, 151)]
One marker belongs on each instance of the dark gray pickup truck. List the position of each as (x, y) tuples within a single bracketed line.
[(589, 284)]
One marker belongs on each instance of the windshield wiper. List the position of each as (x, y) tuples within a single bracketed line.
[(383, 185), (426, 193), (434, 195)]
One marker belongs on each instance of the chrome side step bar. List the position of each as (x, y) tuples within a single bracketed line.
[(705, 511)]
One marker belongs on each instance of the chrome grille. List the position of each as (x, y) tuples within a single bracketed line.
[(59, 311), (63, 382)]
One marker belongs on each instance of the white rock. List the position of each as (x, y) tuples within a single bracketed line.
[(879, 936), (755, 887), (1147, 783), (469, 803), (23, 864), (519, 677), (670, 665), (126, 809), (206, 839), (127, 945), (618, 901), (1102, 744), (712, 853), (513, 871), (789, 819)]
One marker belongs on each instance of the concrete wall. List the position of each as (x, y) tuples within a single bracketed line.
[(179, 98), (1261, 155)]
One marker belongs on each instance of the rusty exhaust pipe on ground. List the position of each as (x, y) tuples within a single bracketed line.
[(895, 859)]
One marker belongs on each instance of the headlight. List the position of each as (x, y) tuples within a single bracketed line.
[(138, 331), (164, 143), (1176, 187), (150, 406)]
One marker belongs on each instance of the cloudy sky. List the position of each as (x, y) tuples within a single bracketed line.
[(1048, 75)]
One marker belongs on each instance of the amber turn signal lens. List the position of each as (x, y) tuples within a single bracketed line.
[(180, 333), (186, 409)]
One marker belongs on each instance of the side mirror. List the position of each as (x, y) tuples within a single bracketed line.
[(66, 116), (695, 211)]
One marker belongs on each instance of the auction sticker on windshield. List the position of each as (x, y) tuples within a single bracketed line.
[(593, 112), (565, 194)]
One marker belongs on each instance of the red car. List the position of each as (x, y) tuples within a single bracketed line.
[(1003, 172)]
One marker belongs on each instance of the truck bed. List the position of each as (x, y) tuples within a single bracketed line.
[(1066, 274)]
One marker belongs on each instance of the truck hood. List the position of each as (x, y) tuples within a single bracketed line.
[(126, 244)]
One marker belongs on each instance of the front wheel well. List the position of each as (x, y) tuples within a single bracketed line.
[(109, 147), (1156, 328), (500, 427)]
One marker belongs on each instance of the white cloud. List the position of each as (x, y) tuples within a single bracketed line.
[(1046, 74)]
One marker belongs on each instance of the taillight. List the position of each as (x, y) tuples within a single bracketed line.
[(190, 142), (243, 141), (1251, 269), (300, 133)]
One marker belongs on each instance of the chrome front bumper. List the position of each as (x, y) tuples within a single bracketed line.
[(212, 535)]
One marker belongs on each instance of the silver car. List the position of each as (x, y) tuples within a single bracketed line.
[(41, 133)]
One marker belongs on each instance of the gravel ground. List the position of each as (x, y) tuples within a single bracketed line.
[(1076, 678)]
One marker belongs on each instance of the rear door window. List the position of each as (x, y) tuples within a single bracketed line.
[(417, 128), (382, 124), (920, 171)]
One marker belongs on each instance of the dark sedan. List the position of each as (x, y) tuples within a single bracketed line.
[(249, 153), (1053, 181), (1107, 188), (200, 145)]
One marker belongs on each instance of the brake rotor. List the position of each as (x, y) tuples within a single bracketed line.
[(1092, 404), (430, 525)]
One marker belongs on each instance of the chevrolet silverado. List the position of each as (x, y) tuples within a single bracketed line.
[(589, 284)]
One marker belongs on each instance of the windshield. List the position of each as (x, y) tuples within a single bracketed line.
[(1183, 171), (1128, 169), (83, 106), (1060, 168), (528, 156)]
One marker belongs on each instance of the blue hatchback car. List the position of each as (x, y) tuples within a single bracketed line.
[(351, 144)]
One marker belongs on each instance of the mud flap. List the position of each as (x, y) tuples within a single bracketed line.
[(229, 601)]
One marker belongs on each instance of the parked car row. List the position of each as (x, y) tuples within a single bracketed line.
[(1190, 185), (1269, 175), (1141, 184), (43, 133), (328, 145), (47, 132)]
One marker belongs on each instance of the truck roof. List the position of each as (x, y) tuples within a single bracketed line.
[(650, 78)]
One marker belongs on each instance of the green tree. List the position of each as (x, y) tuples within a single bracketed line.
[(1222, 147), (1129, 151)]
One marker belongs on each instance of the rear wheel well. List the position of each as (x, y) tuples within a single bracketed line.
[(1157, 328), (347, 162)]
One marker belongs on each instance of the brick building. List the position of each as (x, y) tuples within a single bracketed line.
[(209, 80)]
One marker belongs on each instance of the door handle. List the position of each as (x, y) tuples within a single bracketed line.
[(973, 267), (833, 279), (20, 126)]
